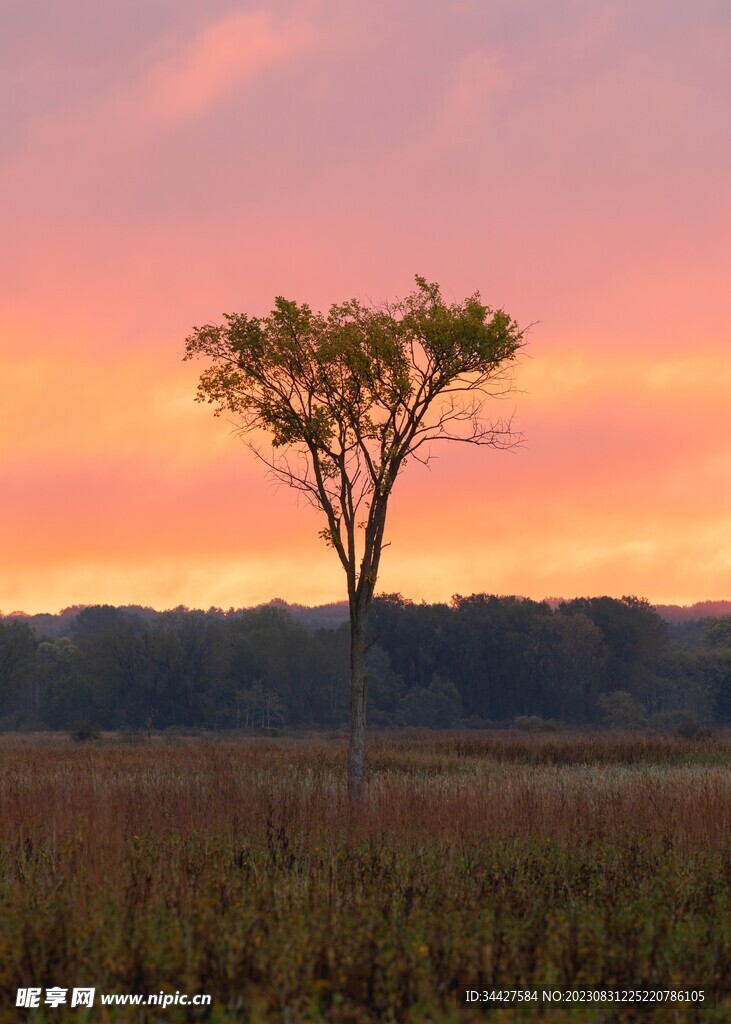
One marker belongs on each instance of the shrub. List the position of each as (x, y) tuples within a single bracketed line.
[(83, 731), (693, 731), (682, 722), (534, 723), (437, 706), (621, 711)]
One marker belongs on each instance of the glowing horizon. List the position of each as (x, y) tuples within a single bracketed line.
[(170, 165)]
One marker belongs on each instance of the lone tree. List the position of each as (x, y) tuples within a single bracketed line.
[(347, 399)]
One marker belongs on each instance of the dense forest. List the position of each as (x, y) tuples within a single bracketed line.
[(480, 661)]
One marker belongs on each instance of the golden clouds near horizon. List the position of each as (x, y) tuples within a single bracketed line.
[(138, 495)]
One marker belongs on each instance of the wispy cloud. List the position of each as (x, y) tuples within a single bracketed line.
[(219, 60)]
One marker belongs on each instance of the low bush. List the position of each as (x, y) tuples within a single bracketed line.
[(534, 723), (83, 731)]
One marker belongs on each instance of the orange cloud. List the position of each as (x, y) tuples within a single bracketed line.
[(126, 490)]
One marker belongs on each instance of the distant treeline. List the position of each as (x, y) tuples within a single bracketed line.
[(481, 661)]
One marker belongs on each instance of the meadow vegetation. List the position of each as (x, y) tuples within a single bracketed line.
[(480, 860)]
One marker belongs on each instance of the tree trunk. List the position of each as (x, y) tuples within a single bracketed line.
[(358, 699)]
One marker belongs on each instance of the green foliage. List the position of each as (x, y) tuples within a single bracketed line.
[(717, 633), (349, 374), (635, 636), (349, 397), (17, 650), (621, 711), (437, 706), (65, 696)]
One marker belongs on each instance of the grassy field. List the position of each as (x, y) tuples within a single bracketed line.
[(481, 861)]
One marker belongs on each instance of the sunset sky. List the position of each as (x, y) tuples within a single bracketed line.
[(165, 161)]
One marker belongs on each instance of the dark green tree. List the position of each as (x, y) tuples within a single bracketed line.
[(636, 638), (717, 632), (349, 398), (437, 706), (17, 648)]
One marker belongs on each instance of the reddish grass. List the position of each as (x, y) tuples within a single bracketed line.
[(237, 867)]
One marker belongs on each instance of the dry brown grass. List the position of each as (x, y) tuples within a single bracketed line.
[(225, 866)]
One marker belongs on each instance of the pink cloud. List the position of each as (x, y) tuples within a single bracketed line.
[(220, 59)]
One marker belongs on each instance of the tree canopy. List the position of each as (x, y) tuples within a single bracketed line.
[(348, 398)]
